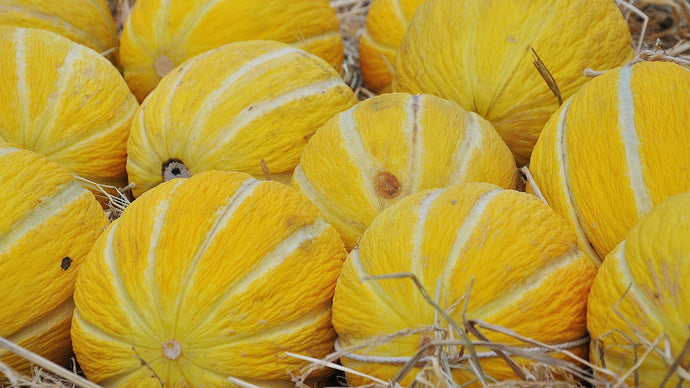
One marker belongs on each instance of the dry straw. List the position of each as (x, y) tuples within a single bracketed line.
[(660, 30)]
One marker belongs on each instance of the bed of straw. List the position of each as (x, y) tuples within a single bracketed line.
[(661, 31)]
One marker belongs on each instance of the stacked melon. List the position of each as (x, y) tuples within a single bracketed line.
[(273, 217)]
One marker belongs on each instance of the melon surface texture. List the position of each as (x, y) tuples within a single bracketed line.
[(231, 107), (161, 34), (390, 146), (500, 256), (48, 223), (639, 296), (615, 150), (206, 279), (65, 101), (479, 54), (386, 23), (87, 22)]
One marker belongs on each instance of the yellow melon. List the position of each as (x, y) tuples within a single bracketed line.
[(520, 258), (48, 223), (161, 34), (208, 279), (64, 100), (386, 23), (639, 303), (389, 146), (615, 150), (229, 108), (479, 54), (87, 22)]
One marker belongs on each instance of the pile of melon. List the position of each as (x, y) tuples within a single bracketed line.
[(214, 193)]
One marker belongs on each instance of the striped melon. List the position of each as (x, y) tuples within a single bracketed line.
[(389, 146), (639, 297), (479, 54), (231, 107), (615, 150), (65, 101), (386, 23), (87, 22), (496, 255), (48, 223), (161, 34), (206, 281)]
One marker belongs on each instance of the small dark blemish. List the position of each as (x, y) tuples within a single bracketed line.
[(66, 262)]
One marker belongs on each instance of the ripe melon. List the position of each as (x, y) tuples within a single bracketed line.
[(48, 224), (207, 279), (65, 101), (639, 297), (615, 150), (86, 22), (161, 34), (478, 53), (497, 255), (231, 107), (390, 146)]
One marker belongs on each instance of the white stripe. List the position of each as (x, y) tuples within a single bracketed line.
[(159, 223), (631, 142), (532, 282), (222, 216), (391, 306), (123, 299), (259, 109), (38, 216), (207, 107), (6, 150), (267, 263), (23, 91), (56, 99), (327, 206), (465, 152), (635, 295), (564, 174), (469, 223), (416, 151), (355, 148), (418, 263), (398, 10)]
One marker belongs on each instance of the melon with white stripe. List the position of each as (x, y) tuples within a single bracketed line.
[(479, 54), (65, 101), (48, 223), (639, 302), (392, 145), (615, 150), (231, 107), (496, 255), (639, 299), (87, 22), (386, 23), (206, 280), (161, 34)]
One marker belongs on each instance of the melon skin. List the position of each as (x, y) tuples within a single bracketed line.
[(478, 53), (381, 150), (614, 151), (231, 107), (86, 22), (161, 34), (522, 259), (48, 225), (638, 296), (65, 101), (386, 23), (208, 278)]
